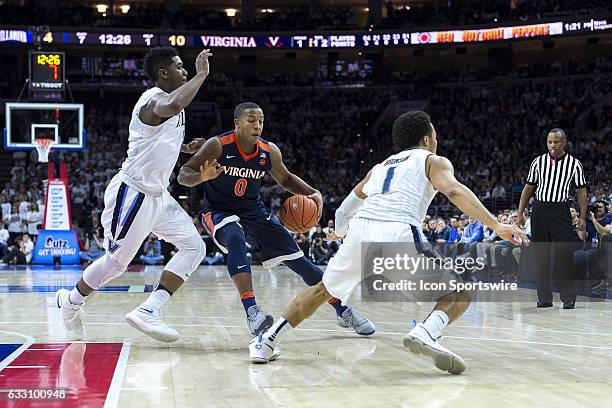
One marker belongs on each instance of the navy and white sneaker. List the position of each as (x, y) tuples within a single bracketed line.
[(360, 324), (262, 350), (151, 323), (258, 321)]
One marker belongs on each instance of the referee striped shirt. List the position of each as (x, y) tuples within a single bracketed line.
[(553, 177)]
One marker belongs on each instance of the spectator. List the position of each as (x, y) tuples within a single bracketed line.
[(80, 195), (152, 251), (8, 190), (94, 247), (34, 219), (473, 231), (454, 233), (4, 237), (599, 224), (5, 205), (332, 246), (430, 231), (472, 234), (498, 192), (92, 223), (21, 252), (24, 204), (318, 251), (443, 233), (15, 223)]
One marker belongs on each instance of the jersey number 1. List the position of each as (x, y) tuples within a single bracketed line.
[(240, 187), (387, 182)]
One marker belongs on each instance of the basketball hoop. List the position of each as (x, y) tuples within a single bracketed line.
[(43, 146)]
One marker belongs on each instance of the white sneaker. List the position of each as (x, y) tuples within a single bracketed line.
[(419, 341), (262, 350), (151, 323), (72, 315)]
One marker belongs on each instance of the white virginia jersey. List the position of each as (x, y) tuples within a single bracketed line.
[(398, 189), (153, 150)]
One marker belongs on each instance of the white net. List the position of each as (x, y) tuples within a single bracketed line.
[(43, 147)]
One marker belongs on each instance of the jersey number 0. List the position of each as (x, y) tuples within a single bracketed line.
[(240, 187)]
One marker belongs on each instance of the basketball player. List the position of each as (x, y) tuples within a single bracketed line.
[(389, 205), (231, 167), (137, 202)]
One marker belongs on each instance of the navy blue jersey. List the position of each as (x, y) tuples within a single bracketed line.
[(237, 188)]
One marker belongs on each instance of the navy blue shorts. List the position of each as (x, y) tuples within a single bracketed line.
[(260, 227)]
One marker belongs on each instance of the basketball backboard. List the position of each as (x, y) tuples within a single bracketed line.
[(62, 122)]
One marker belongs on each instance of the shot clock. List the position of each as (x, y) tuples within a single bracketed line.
[(47, 70)]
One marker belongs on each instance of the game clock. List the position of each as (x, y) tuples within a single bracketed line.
[(47, 71), (91, 38)]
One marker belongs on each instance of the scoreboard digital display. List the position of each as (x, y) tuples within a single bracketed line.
[(176, 40), (587, 25), (319, 40), (47, 71), (115, 38)]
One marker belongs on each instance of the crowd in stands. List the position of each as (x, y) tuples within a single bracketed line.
[(491, 125), (315, 15), (466, 236), (508, 117)]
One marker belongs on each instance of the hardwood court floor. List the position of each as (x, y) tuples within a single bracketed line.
[(517, 355)]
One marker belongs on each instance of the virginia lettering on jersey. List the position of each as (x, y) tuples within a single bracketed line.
[(244, 172), (237, 187)]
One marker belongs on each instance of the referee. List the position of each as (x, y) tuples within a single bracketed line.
[(551, 175)]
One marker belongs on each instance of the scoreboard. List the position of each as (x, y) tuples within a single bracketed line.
[(47, 71), (314, 40), (113, 38)]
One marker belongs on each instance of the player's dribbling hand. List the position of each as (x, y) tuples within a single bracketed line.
[(201, 63), (210, 170), (318, 199), (512, 233)]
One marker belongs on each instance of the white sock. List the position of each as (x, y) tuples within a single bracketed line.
[(435, 323), (156, 300), (75, 297), (280, 326)]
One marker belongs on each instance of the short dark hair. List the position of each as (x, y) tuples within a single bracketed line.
[(240, 108), (410, 128), (559, 131), (158, 58), (605, 204)]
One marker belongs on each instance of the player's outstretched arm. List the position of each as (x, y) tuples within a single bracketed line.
[(165, 105), (349, 208), (203, 165), (290, 181), (442, 176)]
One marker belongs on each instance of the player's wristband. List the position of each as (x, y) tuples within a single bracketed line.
[(345, 212)]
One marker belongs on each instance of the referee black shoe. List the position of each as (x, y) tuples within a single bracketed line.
[(569, 305), (544, 304)]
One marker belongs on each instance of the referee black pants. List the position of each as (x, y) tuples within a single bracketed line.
[(551, 232)]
